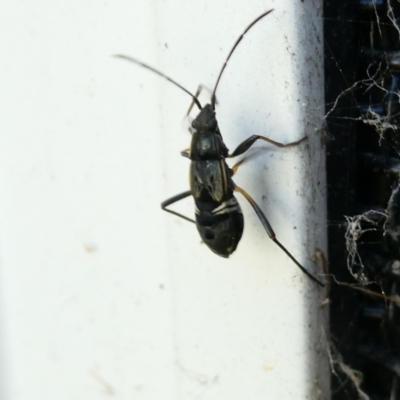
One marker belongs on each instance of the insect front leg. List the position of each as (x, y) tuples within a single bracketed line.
[(244, 146), (196, 95), (271, 233), (173, 200), (185, 153)]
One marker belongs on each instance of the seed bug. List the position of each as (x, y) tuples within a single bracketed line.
[(218, 216)]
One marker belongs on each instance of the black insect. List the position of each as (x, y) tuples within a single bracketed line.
[(219, 218)]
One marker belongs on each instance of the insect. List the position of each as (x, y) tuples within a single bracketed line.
[(218, 215)]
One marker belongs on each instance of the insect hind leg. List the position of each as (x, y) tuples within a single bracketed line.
[(175, 199), (271, 233)]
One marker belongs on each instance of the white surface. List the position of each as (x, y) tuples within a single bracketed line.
[(103, 294)]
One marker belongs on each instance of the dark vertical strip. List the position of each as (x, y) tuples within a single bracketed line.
[(362, 78)]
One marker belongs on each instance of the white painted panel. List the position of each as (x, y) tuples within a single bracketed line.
[(103, 294)]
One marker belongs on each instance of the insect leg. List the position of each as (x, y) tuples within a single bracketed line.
[(244, 146), (185, 153), (173, 200), (197, 94), (237, 165), (271, 232)]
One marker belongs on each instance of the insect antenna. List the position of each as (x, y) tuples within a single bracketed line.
[(195, 99), (231, 52)]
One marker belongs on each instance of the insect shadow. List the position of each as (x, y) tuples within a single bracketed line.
[(218, 215)]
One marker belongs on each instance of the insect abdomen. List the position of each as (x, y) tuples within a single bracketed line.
[(221, 228)]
